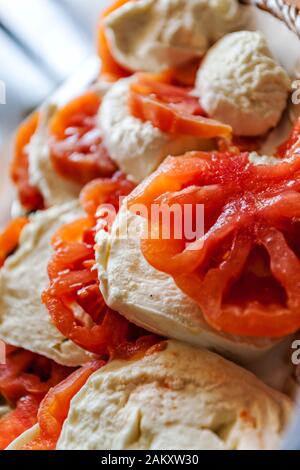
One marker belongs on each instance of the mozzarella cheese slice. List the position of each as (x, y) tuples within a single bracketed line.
[(151, 298), (175, 397), (136, 146), (241, 84), (24, 320), (154, 35)]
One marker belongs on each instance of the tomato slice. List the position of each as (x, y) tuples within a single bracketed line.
[(24, 381), (55, 407), (9, 238), (179, 97), (244, 270), (75, 114), (109, 191), (26, 373), (108, 329), (174, 112), (74, 281), (110, 69), (22, 418), (72, 255), (29, 196), (77, 150), (72, 232)]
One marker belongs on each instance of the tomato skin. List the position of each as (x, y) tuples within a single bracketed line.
[(248, 210), (72, 232), (55, 407), (30, 197), (105, 191), (19, 420), (25, 379), (74, 114), (77, 151), (26, 373), (9, 237), (73, 279), (110, 69), (180, 97), (173, 113)]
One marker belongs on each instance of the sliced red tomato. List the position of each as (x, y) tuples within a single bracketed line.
[(92, 303), (180, 98), (72, 232), (55, 407), (9, 238), (77, 151), (29, 196), (244, 272), (108, 330), (110, 69), (105, 191), (24, 381), (26, 373), (74, 282), (71, 256), (172, 110), (95, 338), (19, 420)]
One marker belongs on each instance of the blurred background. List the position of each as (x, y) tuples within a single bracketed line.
[(42, 42)]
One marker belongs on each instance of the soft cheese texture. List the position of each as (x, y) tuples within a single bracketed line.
[(241, 84), (137, 147), (178, 397), (151, 298), (24, 320), (153, 35), (258, 159)]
